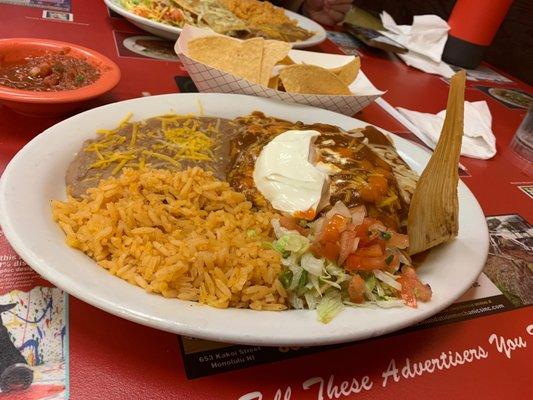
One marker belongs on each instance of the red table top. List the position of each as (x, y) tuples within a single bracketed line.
[(478, 348)]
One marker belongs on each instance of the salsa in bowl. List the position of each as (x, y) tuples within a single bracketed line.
[(49, 78)]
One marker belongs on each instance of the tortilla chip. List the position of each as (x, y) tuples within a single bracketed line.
[(273, 52), (273, 83), (286, 61), (240, 58), (348, 72), (311, 79)]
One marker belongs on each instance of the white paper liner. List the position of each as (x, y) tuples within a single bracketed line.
[(212, 80)]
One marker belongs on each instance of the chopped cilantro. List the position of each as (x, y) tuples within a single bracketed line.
[(385, 235), (303, 279), (285, 278), (389, 259)]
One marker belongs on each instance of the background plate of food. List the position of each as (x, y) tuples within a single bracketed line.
[(242, 19), (215, 256)]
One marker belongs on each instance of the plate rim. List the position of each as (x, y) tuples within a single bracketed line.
[(67, 284), (319, 36)]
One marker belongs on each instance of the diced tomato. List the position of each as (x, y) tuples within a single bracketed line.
[(356, 289), (347, 247), (408, 290), (412, 288), (378, 227), (381, 243), (333, 229), (398, 240), (358, 263), (393, 264), (292, 225), (370, 251), (316, 249), (363, 231), (423, 292), (331, 250)]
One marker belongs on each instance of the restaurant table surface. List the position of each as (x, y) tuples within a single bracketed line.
[(110, 358)]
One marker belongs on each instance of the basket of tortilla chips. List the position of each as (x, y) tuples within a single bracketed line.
[(270, 68)]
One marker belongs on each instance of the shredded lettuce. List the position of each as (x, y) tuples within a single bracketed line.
[(292, 259), (291, 241), (295, 301), (387, 279), (279, 245), (296, 243), (296, 274), (317, 283), (370, 283), (330, 306), (312, 264), (388, 303), (330, 283), (379, 290), (312, 299)]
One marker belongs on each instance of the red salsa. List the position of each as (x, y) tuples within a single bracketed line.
[(50, 72)]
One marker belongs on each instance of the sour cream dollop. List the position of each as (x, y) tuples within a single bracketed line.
[(286, 174)]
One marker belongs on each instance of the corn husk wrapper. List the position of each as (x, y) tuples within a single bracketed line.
[(434, 208)]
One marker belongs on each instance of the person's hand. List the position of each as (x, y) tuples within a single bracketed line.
[(327, 12)]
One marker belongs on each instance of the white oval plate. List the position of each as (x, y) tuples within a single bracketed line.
[(172, 32), (36, 175)]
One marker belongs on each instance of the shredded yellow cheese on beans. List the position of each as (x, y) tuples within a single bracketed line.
[(179, 137)]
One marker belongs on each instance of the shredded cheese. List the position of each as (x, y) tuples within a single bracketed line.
[(133, 140), (125, 120), (178, 138)]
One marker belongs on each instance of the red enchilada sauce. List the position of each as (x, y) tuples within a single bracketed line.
[(51, 72)]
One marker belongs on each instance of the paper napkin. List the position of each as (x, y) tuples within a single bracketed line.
[(478, 139), (425, 40)]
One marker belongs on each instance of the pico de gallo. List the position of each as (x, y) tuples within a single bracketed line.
[(345, 258)]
